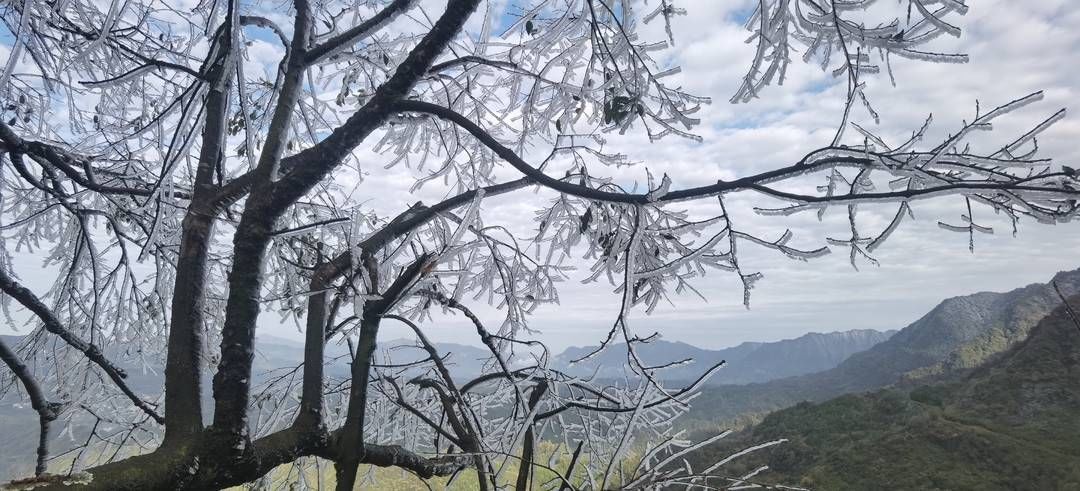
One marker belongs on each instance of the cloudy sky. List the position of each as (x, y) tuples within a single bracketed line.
[(1015, 48)]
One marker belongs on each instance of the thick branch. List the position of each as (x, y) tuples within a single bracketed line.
[(47, 411), (321, 159), (397, 456), (326, 273), (352, 36), (350, 444), (232, 382), (303, 170), (311, 399), (184, 361), (268, 201)]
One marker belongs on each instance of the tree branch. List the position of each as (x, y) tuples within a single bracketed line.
[(755, 182), (67, 162), (398, 456), (529, 444), (334, 45), (324, 157), (47, 411), (27, 298), (184, 359), (232, 382)]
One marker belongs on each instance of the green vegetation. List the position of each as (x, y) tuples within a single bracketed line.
[(886, 440), (982, 395), (947, 343), (1013, 423), (372, 478)]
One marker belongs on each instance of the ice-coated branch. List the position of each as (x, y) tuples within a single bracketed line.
[(246, 185), (917, 164), (47, 411), (398, 456), (330, 47), (53, 325)]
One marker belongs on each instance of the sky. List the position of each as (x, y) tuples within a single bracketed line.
[(1015, 48)]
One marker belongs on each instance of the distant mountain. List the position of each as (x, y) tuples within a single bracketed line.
[(1013, 423), (18, 422), (463, 360), (957, 335), (746, 363)]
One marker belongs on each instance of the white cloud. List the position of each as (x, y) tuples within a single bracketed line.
[(1015, 48)]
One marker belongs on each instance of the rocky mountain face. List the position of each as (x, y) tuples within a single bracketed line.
[(745, 363), (1011, 423), (1039, 376), (948, 342), (957, 335)]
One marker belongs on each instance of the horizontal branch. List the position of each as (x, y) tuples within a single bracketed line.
[(398, 456), (913, 194), (147, 65), (754, 182), (599, 195), (66, 163)]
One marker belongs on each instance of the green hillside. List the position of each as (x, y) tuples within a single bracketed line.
[(959, 334), (1013, 423)]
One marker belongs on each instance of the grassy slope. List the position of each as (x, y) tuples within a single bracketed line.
[(371, 478)]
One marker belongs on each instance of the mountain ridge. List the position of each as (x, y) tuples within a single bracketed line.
[(1013, 422), (746, 363), (272, 352), (951, 339)]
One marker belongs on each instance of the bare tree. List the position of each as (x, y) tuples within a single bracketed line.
[(177, 191)]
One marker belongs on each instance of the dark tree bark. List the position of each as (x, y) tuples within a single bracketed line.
[(47, 411), (184, 361), (196, 456)]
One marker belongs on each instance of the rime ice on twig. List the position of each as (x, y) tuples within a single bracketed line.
[(177, 186)]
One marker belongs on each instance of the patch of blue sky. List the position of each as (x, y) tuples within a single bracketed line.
[(511, 11), (761, 119), (254, 33), (818, 86), (745, 120), (742, 14), (505, 14)]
